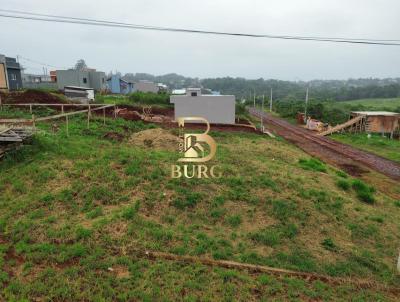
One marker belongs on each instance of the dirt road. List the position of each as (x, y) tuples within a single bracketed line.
[(350, 159)]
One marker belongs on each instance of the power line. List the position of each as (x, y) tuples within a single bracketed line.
[(156, 27), (94, 22), (39, 63)]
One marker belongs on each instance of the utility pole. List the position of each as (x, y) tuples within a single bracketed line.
[(270, 102), (254, 98), (305, 110), (262, 113)]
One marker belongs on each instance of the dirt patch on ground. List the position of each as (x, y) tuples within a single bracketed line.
[(32, 96), (158, 139), (353, 170)]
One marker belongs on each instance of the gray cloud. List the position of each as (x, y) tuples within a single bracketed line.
[(211, 56)]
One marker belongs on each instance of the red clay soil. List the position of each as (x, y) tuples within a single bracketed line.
[(350, 159), (30, 96)]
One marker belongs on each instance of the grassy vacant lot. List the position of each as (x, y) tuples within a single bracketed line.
[(385, 147), (77, 212), (369, 104)]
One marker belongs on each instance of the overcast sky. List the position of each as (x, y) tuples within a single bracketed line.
[(126, 50)]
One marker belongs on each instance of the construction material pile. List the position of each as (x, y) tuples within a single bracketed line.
[(158, 139)]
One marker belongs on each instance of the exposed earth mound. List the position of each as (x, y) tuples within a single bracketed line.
[(158, 139), (32, 96)]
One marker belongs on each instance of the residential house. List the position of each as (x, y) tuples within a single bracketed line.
[(3, 74), (115, 84), (10, 73), (218, 109), (89, 78)]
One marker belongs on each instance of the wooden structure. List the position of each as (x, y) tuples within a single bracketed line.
[(383, 122), (355, 124)]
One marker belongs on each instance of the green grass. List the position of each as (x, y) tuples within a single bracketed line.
[(389, 104), (385, 147), (77, 212)]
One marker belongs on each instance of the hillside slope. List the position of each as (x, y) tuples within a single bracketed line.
[(77, 213)]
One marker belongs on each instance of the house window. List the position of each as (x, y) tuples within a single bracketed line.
[(13, 77), (194, 94), (84, 80)]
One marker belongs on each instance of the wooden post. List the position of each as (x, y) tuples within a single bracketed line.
[(66, 120), (1, 105), (30, 108), (33, 122), (62, 109), (115, 112), (104, 116), (88, 117)]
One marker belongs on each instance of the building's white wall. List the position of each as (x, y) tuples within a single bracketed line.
[(216, 109)]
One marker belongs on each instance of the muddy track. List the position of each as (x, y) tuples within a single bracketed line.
[(342, 155)]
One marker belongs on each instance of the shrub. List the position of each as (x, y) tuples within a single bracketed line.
[(343, 184), (268, 236), (340, 173), (397, 203), (363, 191), (312, 164), (328, 244), (283, 209), (234, 220), (130, 212)]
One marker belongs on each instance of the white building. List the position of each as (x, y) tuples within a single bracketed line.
[(218, 109)]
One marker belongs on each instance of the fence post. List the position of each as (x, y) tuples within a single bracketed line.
[(88, 117), (104, 116), (33, 122), (66, 120)]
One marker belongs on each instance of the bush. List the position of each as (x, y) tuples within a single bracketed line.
[(234, 220), (328, 244), (312, 164), (363, 191), (343, 184)]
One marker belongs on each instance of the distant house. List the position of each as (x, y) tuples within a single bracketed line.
[(81, 94), (89, 78), (10, 74), (146, 86), (219, 109), (115, 84)]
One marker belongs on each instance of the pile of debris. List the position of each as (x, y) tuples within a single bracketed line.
[(158, 139), (11, 137)]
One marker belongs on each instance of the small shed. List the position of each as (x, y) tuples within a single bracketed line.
[(218, 109), (379, 121), (81, 94)]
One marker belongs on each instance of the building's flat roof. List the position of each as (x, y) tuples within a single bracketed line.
[(78, 88), (382, 113)]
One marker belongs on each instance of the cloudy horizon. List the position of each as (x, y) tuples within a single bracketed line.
[(209, 56)]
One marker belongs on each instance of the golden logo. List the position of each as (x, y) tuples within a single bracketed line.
[(193, 147)]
